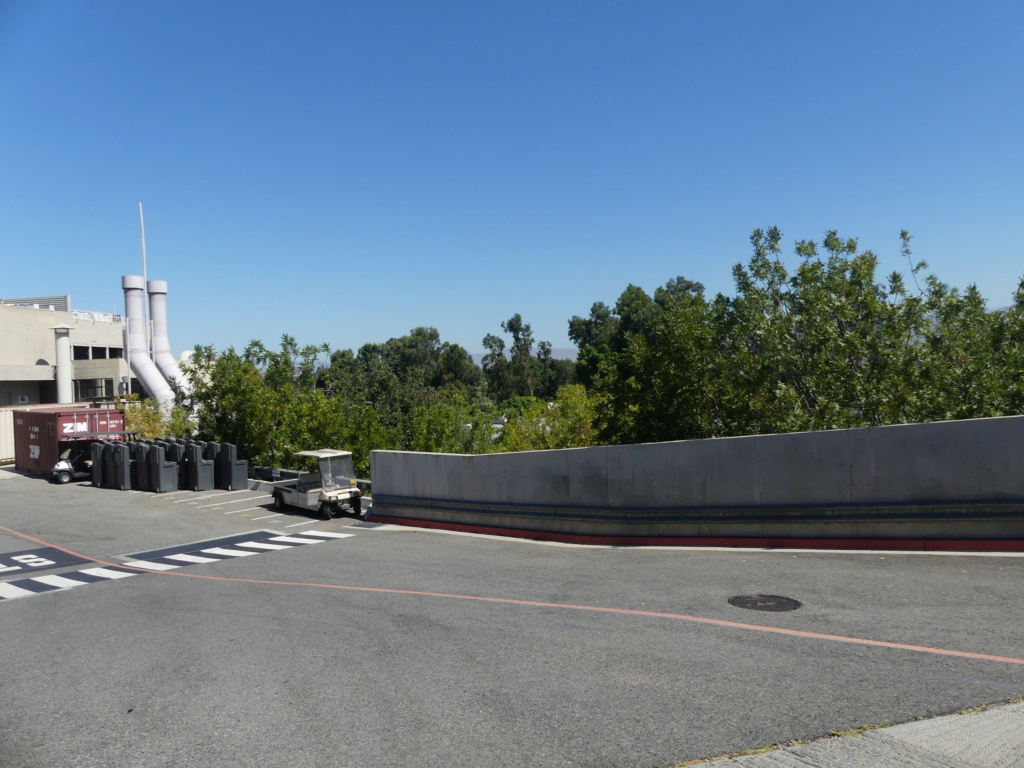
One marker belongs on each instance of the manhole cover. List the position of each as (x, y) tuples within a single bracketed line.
[(765, 602)]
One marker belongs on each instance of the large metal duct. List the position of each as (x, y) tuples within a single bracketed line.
[(162, 355), (138, 356)]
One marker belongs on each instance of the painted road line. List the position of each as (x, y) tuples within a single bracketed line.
[(296, 525), (212, 495), (33, 586), (193, 558), (106, 573), (59, 581), (162, 560), (41, 559), (228, 552), (151, 566), (196, 547), (10, 592), (267, 517), (172, 493), (250, 509), (236, 501), (328, 534)]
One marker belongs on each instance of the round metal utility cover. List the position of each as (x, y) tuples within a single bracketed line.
[(765, 602)]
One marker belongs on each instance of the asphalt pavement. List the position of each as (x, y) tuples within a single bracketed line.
[(988, 738), (358, 644)]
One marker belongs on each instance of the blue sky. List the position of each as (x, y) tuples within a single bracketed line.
[(346, 171)]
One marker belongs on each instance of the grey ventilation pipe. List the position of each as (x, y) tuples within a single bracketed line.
[(65, 389), (162, 355), (138, 358)]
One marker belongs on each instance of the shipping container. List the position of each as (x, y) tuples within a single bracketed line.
[(41, 435)]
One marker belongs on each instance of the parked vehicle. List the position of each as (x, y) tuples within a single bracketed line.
[(75, 463), (331, 490)]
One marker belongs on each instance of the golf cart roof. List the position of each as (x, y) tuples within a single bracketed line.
[(323, 453)]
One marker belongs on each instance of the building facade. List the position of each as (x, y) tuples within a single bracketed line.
[(28, 351)]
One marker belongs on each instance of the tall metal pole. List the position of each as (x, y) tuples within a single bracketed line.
[(145, 304)]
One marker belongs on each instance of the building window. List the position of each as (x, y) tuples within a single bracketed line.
[(81, 353), (99, 353), (91, 389), (116, 353)]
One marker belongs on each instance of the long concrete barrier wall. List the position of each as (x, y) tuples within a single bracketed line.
[(941, 481)]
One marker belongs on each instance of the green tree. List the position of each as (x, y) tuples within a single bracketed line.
[(521, 353), (233, 403), (497, 369), (145, 417), (824, 346), (519, 373), (448, 423), (567, 422)]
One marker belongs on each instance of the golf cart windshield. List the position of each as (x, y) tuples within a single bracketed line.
[(336, 472)]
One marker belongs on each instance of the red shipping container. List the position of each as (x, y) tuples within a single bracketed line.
[(41, 435)]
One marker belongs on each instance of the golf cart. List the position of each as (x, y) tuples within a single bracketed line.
[(330, 491), (75, 463)]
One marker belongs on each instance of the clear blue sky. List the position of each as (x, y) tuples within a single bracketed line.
[(345, 171)]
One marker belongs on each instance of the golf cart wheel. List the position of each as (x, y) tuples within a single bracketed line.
[(278, 502), (64, 478), (327, 510)]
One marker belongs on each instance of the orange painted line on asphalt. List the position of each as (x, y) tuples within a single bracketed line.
[(564, 606)]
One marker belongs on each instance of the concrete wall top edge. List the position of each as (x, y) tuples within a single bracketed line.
[(886, 427), (958, 459), (787, 436)]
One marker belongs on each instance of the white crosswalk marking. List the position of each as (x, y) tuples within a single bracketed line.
[(295, 540), (58, 581), (328, 534), (228, 552), (9, 591), (26, 586), (192, 558), (106, 573), (151, 566)]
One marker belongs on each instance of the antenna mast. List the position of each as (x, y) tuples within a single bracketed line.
[(145, 280)]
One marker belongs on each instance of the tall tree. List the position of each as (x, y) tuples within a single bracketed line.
[(497, 369), (521, 352)]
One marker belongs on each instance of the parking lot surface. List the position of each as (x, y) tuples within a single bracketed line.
[(355, 644)]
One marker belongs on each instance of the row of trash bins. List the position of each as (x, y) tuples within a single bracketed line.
[(168, 464)]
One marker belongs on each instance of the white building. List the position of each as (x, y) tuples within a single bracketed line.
[(28, 351)]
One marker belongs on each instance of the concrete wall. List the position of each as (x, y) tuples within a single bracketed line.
[(19, 391), (953, 466), (28, 354), (28, 335)]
